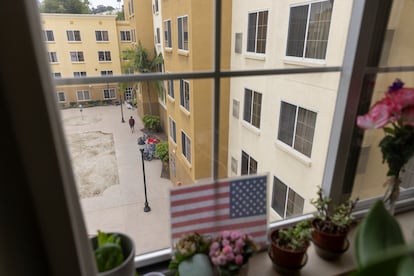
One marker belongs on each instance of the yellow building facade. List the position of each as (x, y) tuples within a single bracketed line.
[(83, 45)]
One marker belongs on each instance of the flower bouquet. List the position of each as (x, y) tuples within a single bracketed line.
[(230, 251), (394, 113)]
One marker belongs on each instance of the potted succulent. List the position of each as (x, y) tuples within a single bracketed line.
[(191, 256), (289, 246), (331, 226), (114, 254)]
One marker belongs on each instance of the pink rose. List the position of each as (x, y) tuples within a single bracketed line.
[(239, 260), (402, 98), (379, 115)]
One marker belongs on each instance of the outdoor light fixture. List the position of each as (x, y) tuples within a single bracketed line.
[(80, 109), (146, 206)]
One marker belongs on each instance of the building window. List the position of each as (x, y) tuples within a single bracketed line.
[(133, 36), (104, 55), (156, 8), (285, 201), (182, 32), (73, 35), (52, 57), (79, 74), (61, 97), (101, 36), (248, 164), (256, 32), (77, 57), (128, 93), (236, 107), (186, 146), (297, 127), (172, 127), (125, 35), (83, 95), (109, 93), (48, 35), (252, 107), (185, 94), (57, 75), (167, 34), (158, 38), (170, 87), (309, 30), (107, 73)]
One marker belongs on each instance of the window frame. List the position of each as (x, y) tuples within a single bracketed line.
[(172, 127), (48, 36), (109, 91), (251, 163), (125, 35), (79, 74), (249, 115), (83, 92), (185, 94), (107, 72), (183, 37), (77, 56), (305, 41), (167, 34), (52, 57), (256, 31), (100, 36), (186, 146), (104, 56), (58, 93), (73, 36), (339, 149)]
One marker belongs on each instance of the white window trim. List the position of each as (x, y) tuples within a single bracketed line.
[(180, 50), (170, 119), (110, 89), (64, 95), (255, 54), (170, 33), (189, 163)]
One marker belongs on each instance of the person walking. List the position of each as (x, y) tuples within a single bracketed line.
[(131, 124)]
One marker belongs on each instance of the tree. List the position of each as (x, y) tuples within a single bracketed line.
[(139, 60), (65, 6)]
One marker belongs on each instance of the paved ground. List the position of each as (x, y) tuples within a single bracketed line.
[(120, 208)]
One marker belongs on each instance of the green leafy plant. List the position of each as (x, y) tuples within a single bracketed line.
[(161, 149), (380, 247), (152, 122), (333, 220), (108, 253), (296, 237)]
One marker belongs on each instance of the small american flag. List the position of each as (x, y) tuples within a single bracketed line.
[(232, 204)]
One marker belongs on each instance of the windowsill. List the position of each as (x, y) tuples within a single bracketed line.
[(255, 56), (104, 41), (171, 99), (250, 128), (183, 52), (304, 62), (105, 61), (125, 41), (298, 156), (260, 264), (75, 42), (185, 111), (186, 161), (168, 50)]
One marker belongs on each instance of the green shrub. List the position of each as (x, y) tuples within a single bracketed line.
[(161, 149), (152, 122)]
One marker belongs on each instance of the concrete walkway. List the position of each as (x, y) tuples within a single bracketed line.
[(120, 208)]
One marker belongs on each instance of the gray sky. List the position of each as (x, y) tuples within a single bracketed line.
[(112, 3)]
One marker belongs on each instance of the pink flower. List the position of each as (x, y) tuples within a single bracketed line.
[(239, 260), (379, 115), (402, 98), (407, 116), (227, 249)]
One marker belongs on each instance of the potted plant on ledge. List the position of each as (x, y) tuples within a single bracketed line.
[(289, 246), (331, 226), (114, 254)]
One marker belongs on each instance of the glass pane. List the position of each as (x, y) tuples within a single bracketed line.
[(297, 31), (279, 197), (287, 122), (251, 32)]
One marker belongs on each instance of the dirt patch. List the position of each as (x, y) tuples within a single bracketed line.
[(94, 162)]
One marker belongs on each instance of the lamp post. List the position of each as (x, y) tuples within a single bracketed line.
[(146, 207), (80, 109), (122, 112)]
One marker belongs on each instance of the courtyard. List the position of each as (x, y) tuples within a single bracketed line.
[(108, 171)]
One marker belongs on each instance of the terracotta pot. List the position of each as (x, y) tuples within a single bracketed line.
[(328, 246), (284, 258)]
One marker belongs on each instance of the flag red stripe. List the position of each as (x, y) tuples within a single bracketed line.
[(198, 188), (220, 228), (198, 199), (200, 220), (200, 210)]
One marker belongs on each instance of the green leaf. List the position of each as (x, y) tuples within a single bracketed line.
[(406, 267), (389, 130), (108, 256), (377, 234)]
